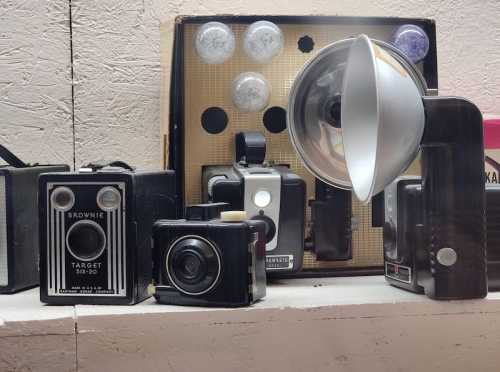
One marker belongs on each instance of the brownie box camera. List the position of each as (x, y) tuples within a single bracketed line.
[(408, 261), (19, 251), (273, 194), (209, 262), (95, 233)]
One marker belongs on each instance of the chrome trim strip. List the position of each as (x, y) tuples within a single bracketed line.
[(51, 250), (115, 252), (63, 251), (120, 251), (258, 178), (124, 240), (108, 248), (57, 253)]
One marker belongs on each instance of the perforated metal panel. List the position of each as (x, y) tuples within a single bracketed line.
[(209, 85)]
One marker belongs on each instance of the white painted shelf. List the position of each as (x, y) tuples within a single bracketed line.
[(289, 293)]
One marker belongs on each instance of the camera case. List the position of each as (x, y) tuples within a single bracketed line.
[(207, 261), (95, 233), (19, 252)]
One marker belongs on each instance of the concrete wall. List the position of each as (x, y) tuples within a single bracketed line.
[(117, 74)]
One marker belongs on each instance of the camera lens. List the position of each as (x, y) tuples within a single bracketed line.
[(190, 265), (108, 199), (62, 199), (86, 240), (193, 265)]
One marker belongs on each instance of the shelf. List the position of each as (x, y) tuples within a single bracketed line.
[(321, 324)]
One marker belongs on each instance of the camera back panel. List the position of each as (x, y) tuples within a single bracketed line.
[(197, 88)]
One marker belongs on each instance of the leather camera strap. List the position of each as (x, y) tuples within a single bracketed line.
[(11, 159), (117, 163)]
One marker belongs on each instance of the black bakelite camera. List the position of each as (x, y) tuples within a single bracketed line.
[(409, 260), (269, 193), (209, 259)]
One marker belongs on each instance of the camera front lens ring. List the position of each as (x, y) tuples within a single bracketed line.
[(193, 265), (86, 240)]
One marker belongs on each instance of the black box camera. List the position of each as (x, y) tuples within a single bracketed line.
[(95, 233), (19, 251), (207, 261), (270, 193), (416, 261)]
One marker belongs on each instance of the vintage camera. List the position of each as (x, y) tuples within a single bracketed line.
[(95, 233), (403, 232), (409, 263), (270, 193), (19, 222), (209, 261)]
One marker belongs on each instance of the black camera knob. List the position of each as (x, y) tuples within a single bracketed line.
[(270, 226)]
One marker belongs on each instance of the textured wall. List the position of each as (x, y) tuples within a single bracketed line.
[(35, 80), (116, 46), (117, 59)]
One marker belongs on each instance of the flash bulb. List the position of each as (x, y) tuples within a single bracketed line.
[(214, 42), (250, 92), (263, 40)]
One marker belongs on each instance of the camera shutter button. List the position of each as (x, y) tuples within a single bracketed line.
[(447, 256)]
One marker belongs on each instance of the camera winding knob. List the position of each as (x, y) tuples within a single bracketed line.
[(447, 256)]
